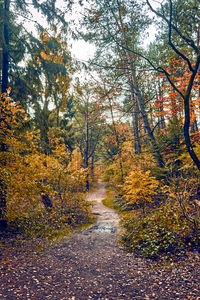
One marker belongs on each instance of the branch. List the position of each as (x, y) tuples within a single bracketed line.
[(171, 82), (170, 40), (187, 40)]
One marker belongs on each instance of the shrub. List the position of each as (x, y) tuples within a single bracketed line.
[(140, 187), (162, 232), (28, 176)]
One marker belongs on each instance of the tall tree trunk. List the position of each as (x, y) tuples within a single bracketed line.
[(86, 152), (5, 56), (135, 122), (136, 137), (186, 131), (198, 44), (92, 168), (44, 127), (161, 110), (139, 98), (134, 108), (57, 110), (141, 106), (117, 142), (3, 187)]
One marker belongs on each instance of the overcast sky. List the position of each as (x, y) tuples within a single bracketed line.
[(81, 50)]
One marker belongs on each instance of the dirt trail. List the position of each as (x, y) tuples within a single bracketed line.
[(108, 220), (91, 265)]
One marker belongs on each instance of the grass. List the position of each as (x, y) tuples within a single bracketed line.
[(109, 200)]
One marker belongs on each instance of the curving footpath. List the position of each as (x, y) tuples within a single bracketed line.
[(91, 265)]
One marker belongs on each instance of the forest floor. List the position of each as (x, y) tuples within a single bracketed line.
[(91, 265)]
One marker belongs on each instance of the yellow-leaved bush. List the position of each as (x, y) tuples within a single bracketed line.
[(130, 161), (140, 187), (28, 174)]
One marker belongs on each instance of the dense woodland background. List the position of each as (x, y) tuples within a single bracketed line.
[(129, 115)]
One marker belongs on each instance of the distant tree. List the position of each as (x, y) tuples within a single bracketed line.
[(88, 123)]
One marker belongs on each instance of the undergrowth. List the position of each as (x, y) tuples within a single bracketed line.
[(162, 232), (51, 224)]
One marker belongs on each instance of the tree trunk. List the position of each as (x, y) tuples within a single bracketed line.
[(156, 151), (139, 99), (118, 143), (3, 187), (5, 56), (92, 168), (57, 110), (137, 143), (160, 95), (3, 194), (44, 127), (134, 110), (187, 134), (86, 152), (136, 138), (198, 44)]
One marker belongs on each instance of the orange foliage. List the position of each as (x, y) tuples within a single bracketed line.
[(169, 102)]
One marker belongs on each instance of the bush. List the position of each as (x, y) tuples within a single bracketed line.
[(53, 221), (140, 188), (162, 232), (37, 187)]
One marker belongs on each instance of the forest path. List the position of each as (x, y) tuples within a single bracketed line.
[(108, 219), (91, 265)]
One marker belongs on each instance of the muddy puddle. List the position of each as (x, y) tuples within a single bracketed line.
[(105, 228)]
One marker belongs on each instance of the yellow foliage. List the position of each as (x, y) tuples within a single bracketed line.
[(112, 173), (140, 187), (27, 173), (188, 165), (143, 161), (130, 162), (45, 56)]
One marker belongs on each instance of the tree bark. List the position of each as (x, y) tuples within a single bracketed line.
[(187, 134), (117, 142), (136, 138), (139, 99), (86, 152), (5, 56), (154, 144), (3, 187), (3, 210), (161, 118), (92, 168)]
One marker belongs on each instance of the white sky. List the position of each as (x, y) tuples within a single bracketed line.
[(81, 50)]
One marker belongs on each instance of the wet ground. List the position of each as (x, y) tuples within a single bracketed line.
[(108, 220), (91, 265)]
